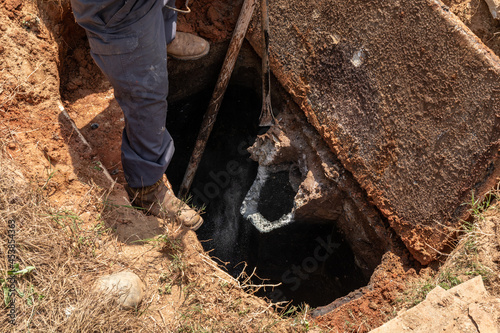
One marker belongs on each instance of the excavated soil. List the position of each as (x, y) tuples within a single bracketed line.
[(44, 57)]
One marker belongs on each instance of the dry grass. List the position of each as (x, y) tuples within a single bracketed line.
[(68, 256), (217, 304), (473, 250), (210, 300), (56, 295)]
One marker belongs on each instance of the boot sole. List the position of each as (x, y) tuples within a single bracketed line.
[(196, 226), (194, 57)]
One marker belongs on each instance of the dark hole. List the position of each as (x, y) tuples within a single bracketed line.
[(277, 196), (311, 260)]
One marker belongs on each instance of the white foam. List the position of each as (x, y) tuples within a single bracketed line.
[(249, 206)]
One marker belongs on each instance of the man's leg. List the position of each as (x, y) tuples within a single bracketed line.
[(134, 59), (131, 53)]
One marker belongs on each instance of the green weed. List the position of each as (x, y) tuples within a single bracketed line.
[(97, 166), (478, 205), (5, 283), (81, 239), (448, 280), (50, 174)]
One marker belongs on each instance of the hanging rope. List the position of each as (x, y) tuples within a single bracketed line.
[(184, 11)]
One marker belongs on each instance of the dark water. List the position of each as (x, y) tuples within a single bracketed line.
[(311, 260), (278, 194)]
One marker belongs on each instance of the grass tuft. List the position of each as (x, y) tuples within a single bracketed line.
[(55, 265)]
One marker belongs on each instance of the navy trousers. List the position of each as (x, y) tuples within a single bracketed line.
[(128, 41)]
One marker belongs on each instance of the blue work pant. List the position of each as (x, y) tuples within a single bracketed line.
[(128, 41)]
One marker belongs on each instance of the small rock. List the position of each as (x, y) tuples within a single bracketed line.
[(12, 145), (126, 286), (71, 177), (85, 217), (94, 126)]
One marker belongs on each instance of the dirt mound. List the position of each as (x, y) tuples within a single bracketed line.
[(68, 224)]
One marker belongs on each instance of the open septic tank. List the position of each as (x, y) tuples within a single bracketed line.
[(382, 134), (310, 257), (264, 216)]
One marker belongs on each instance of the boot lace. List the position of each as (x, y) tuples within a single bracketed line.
[(184, 11)]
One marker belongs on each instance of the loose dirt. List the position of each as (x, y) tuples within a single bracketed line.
[(44, 57)]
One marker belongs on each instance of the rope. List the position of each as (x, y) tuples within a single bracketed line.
[(184, 11)]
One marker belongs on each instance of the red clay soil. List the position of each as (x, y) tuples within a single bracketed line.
[(214, 20), (377, 305), (29, 105)]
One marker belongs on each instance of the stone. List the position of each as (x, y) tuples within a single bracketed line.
[(126, 286), (460, 309), (470, 291), (483, 320)]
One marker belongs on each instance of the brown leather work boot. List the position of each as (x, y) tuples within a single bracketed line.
[(159, 200), (187, 47)]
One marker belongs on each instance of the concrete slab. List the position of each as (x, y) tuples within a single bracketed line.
[(404, 94)]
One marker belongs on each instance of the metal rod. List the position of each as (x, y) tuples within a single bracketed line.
[(218, 94)]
